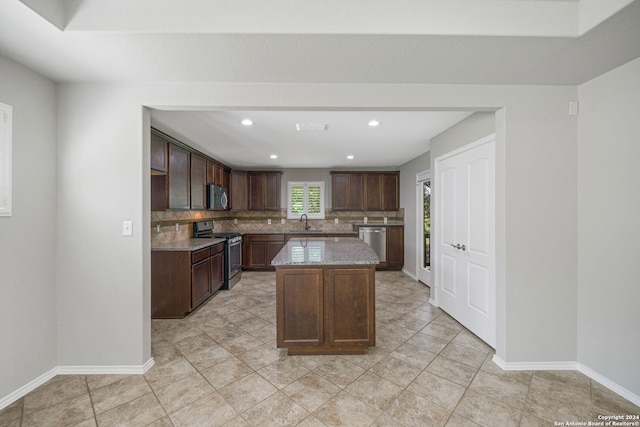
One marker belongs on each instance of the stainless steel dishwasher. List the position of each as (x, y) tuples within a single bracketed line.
[(376, 237)]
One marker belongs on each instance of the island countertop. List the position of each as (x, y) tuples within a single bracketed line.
[(325, 251)]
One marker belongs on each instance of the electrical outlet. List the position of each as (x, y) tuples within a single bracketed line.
[(336, 221), (269, 221), (235, 221), (177, 227), (282, 221), (157, 228)]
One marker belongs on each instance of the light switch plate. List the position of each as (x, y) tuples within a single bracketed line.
[(127, 228)]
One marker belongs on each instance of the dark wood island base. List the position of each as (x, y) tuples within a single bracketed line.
[(325, 309)]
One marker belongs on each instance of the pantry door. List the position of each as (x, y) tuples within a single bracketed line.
[(464, 217)]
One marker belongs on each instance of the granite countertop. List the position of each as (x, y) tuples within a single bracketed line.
[(379, 224), (187, 245), (310, 232), (326, 251)]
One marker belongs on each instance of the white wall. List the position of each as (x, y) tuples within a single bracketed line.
[(408, 201), (27, 239), (608, 225)]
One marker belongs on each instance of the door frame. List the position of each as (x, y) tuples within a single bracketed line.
[(420, 177), (435, 220)]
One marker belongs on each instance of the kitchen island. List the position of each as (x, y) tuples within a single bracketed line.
[(325, 296)]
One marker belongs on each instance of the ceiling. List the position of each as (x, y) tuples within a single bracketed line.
[(400, 137), (523, 42)]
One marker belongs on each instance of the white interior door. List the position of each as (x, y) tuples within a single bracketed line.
[(464, 196), (423, 227)]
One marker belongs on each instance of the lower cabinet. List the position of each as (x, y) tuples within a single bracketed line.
[(325, 310), (394, 247), (182, 280), (260, 249)]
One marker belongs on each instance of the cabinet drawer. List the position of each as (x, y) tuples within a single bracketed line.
[(216, 249), (200, 254)]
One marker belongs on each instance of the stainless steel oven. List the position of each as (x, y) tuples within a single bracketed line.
[(233, 264)]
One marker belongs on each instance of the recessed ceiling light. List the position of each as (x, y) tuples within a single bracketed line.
[(374, 123), (247, 122), (274, 156), (350, 157)]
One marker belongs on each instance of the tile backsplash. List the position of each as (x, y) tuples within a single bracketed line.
[(170, 226)]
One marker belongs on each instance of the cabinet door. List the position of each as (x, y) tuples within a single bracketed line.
[(217, 271), (198, 182), (350, 307), (373, 199), (211, 172), (256, 192), (179, 186), (347, 191), (159, 193), (158, 154), (239, 190), (395, 247), (356, 192), (299, 307), (200, 282), (390, 192), (272, 191)]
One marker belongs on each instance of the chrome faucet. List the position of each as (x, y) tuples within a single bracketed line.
[(306, 222)]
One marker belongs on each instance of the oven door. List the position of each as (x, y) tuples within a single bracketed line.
[(234, 259)]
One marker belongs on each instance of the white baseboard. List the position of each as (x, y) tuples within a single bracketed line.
[(410, 274), (74, 370), (568, 366)]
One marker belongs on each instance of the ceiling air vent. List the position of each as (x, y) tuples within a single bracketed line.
[(312, 126)]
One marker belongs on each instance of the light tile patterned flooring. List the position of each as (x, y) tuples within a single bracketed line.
[(220, 367)]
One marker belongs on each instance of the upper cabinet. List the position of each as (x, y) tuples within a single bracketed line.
[(365, 191), (217, 174), (158, 154), (264, 190), (180, 174), (198, 182), (239, 190), (179, 178), (347, 191)]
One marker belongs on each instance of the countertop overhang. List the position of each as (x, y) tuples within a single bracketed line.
[(316, 251)]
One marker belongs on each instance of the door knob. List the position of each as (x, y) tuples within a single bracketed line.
[(458, 246)]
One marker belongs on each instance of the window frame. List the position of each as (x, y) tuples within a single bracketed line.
[(6, 121), (306, 185)]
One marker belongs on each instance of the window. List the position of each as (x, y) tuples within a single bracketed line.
[(305, 198), (6, 118)]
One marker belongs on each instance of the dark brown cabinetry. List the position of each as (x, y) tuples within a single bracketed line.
[(347, 191), (182, 280), (180, 174), (217, 174), (260, 249), (365, 191), (198, 182), (158, 154), (264, 190), (325, 310), (395, 247), (239, 189), (179, 178)]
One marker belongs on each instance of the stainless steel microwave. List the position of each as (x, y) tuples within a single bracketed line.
[(217, 198)]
